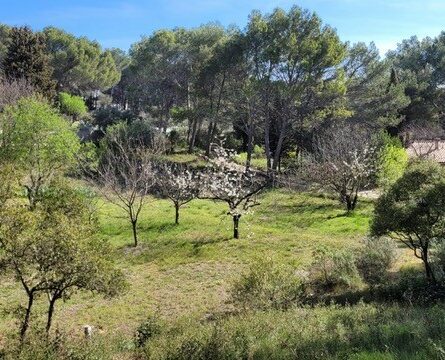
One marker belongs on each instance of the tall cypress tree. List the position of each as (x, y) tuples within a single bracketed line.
[(26, 58)]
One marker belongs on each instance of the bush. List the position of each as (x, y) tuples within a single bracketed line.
[(333, 270), (392, 161), (268, 285), (146, 330), (413, 209), (72, 105), (364, 331), (137, 133), (61, 347), (108, 116), (374, 259), (258, 152)]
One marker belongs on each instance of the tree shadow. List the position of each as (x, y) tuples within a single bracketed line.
[(406, 287)]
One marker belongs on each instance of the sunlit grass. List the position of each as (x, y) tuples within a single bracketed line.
[(186, 269)]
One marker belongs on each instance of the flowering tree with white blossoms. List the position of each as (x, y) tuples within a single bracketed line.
[(345, 161), (177, 183), (231, 183)]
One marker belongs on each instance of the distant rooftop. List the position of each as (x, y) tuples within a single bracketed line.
[(428, 149)]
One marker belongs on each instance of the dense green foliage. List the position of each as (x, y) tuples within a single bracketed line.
[(39, 141), (80, 65), (393, 160), (161, 125), (26, 57), (413, 210), (72, 105)]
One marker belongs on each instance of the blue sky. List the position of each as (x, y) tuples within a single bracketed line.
[(118, 23)]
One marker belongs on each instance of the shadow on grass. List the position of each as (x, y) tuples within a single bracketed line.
[(303, 208), (160, 227), (408, 288), (197, 245), (341, 215), (168, 249)]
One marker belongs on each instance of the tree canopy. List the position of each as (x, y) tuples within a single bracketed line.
[(80, 65)]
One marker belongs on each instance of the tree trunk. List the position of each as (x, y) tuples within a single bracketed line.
[(428, 270), (52, 302), (210, 136), (31, 195), (25, 323), (267, 146), (236, 226), (193, 136), (351, 201), (278, 149), (135, 234), (249, 149), (176, 214)]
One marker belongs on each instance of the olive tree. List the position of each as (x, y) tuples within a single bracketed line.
[(52, 251), (413, 211)]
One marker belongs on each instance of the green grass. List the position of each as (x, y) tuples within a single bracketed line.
[(356, 333), (256, 162), (185, 271)]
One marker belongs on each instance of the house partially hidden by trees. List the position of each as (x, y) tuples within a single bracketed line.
[(433, 149)]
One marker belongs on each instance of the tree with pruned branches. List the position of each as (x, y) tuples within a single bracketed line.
[(125, 175), (344, 161)]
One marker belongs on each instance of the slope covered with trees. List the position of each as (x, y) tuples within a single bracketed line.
[(220, 193)]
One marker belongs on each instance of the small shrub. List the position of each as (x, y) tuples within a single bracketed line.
[(392, 161), (268, 285), (146, 330), (258, 152), (61, 346), (333, 269), (374, 259), (72, 105)]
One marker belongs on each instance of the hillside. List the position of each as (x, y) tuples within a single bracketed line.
[(185, 271)]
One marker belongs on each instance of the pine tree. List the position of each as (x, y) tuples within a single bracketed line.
[(26, 58)]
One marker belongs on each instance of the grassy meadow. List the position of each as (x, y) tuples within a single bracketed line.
[(181, 274)]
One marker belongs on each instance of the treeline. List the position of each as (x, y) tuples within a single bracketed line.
[(274, 84)]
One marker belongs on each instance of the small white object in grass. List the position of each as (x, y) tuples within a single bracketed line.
[(87, 331)]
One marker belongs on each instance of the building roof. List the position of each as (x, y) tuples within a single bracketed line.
[(429, 149)]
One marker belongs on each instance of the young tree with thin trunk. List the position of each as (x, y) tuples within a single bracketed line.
[(52, 251), (177, 183), (17, 234), (229, 182), (126, 176), (344, 161)]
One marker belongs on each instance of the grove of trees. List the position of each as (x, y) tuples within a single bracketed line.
[(305, 108)]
